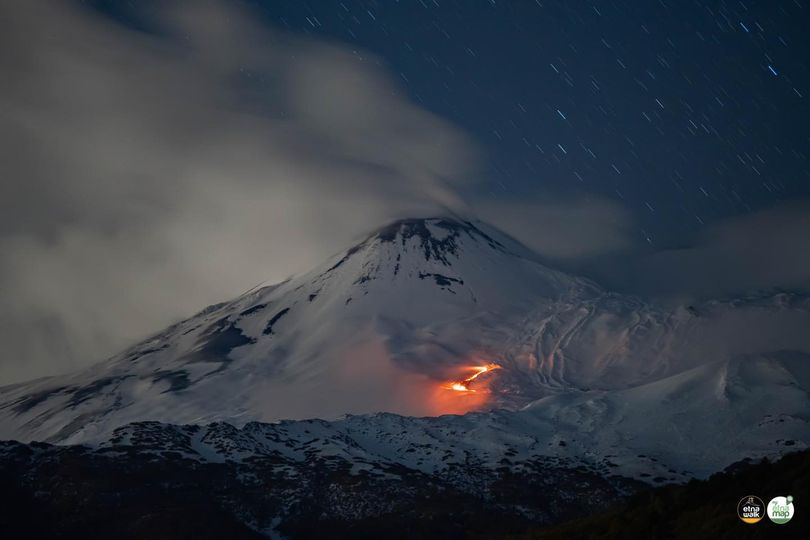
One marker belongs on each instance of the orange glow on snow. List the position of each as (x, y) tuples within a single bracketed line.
[(464, 394)]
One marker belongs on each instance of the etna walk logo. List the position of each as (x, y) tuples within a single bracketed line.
[(780, 509), (751, 509)]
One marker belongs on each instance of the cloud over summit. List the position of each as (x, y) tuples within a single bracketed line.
[(146, 174)]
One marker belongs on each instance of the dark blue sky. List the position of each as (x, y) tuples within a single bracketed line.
[(685, 112)]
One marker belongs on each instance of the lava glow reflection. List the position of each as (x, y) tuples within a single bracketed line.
[(467, 391)]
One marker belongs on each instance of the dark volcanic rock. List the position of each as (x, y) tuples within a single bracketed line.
[(147, 484), (151, 481)]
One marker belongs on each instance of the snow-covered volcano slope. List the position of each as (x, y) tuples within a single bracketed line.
[(688, 425), (384, 326)]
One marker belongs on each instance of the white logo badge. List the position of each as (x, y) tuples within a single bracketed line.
[(780, 509)]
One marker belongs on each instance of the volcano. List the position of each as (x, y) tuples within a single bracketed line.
[(378, 327), (403, 321)]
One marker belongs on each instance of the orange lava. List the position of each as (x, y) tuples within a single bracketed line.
[(464, 384)]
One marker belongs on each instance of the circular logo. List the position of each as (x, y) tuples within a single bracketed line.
[(780, 509), (751, 509)]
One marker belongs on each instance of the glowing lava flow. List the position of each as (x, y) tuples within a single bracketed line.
[(464, 385)]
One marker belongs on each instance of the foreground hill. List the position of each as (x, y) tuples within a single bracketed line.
[(141, 491)]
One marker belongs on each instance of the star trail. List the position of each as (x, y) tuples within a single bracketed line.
[(685, 112)]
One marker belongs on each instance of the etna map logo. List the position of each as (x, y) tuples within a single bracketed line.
[(780, 509), (751, 509)]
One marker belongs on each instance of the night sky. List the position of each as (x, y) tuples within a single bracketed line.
[(684, 112)]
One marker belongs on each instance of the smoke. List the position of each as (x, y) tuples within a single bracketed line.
[(148, 174), (563, 228), (756, 252)]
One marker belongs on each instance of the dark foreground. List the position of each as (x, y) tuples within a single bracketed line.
[(64, 492), (701, 509)]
